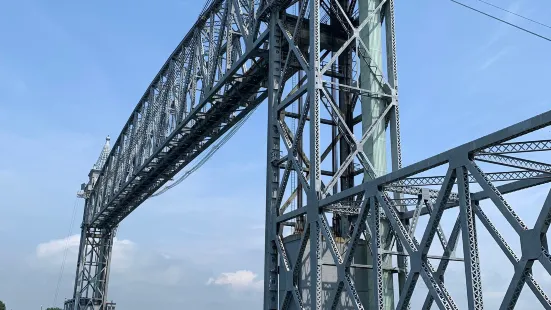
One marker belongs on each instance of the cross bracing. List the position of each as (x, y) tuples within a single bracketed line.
[(461, 167), (332, 209)]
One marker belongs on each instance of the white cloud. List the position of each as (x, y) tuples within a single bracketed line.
[(55, 247), (239, 280), (137, 273), (53, 252)]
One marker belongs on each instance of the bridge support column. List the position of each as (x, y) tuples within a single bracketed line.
[(92, 278), (94, 255), (315, 265), (271, 269), (335, 75)]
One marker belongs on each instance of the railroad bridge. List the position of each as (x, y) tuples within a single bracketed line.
[(342, 214)]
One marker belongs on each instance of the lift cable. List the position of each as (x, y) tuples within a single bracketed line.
[(214, 148), (208, 155), (510, 12), (503, 21), (60, 277)]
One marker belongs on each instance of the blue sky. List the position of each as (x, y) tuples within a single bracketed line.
[(71, 72)]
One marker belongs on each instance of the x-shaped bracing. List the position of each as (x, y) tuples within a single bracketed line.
[(534, 246)]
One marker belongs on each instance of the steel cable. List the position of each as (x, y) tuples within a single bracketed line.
[(510, 12), (209, 154), (503, 21), (60, 277)]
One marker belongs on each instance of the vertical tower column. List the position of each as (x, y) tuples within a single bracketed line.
[(373, 106), (92, 279), (94, 255), (318, 266), (314, 192), (272, 170), (394, 119)]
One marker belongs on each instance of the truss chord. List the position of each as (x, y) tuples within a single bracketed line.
[(514, 162), (493, 176), (518, 147)]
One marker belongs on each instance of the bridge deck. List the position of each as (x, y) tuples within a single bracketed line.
[(197, 96), (194, 136)]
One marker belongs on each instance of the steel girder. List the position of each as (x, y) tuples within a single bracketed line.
[(493, 176), (518, 147)]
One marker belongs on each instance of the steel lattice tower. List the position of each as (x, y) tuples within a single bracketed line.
[(341, 211), (335, 94)]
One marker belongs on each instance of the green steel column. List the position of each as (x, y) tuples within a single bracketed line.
[(375, 146)]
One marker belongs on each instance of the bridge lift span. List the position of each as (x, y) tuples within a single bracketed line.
[(340, 230)]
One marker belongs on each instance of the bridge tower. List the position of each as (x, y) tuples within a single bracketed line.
[(338, 230), (94, 255), (332, 82)]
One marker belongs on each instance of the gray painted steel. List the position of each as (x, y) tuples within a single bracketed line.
[(322, 218)]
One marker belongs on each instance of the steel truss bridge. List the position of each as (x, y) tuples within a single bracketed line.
[(307, 59)]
